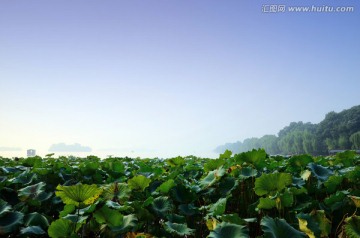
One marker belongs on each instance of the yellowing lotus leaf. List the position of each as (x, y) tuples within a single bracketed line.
[(80, 194)]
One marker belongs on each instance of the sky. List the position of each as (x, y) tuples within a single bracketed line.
[(163, 78)]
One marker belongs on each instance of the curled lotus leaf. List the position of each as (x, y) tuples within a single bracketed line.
[(320, 172), (4, 207), (32, 191), (36, 219), (279, 228), (128, 222), (10, 221), (32, 230)]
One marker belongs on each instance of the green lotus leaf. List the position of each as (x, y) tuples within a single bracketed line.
[(32, 230), (298, 191), (178, 229), (268, 183), (32, 191), (166, 186), (24, 178), (353, 174), (112, 204), (89, 209), (320, 172), (183, 194), (218, 208), (33, 162), (279, 228), (266, 203), (175, 218), (80, 194), (285, 200), (108, 216), (229, 230), (188, 209), (9, 222), (75, 218), (43, 196), (148, 201), (139, 182), (177, 161), (117, 166), (273, 165), (254, 157), (162, 205), (212, 177), (4, 207), (337, 200), (208, 180), (42, 171), (128, 222), (226, 155), (61, 228), (333, 183), (11, 170), (352, 227), (213, 164), (247, 172), (118, 192), (145, 168), (233, 218), (3, 179), (298, 182), (227, 185), (298, 162), (68, 208), (346, 158), (36, 219), (89, 167)]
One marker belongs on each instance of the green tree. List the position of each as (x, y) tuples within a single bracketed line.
[(355, 140)]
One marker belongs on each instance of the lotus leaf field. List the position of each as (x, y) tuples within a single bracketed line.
[(250, 194)]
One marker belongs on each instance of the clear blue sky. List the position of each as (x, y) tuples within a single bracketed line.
[(168, 77)]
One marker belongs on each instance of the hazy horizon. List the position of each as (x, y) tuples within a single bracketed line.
[(167, 78)]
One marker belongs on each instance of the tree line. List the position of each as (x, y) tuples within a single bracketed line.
[(338, 131)]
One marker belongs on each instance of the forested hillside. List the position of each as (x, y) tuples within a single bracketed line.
[(337, 131)]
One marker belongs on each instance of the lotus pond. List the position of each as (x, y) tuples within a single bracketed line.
[(250, 194)]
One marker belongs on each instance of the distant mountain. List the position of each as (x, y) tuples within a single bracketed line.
[(337, 131)]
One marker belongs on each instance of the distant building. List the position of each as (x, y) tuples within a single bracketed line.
[(31, 153)]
